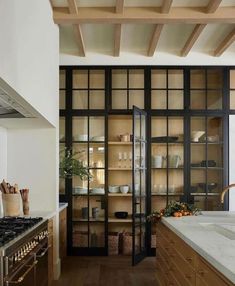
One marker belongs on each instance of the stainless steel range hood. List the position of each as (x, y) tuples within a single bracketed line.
[(10, 107)]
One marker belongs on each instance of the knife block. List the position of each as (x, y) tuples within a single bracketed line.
[(11, 204)]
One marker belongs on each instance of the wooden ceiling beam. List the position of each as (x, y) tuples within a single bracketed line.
[(117, 39), (166, 5), (119, 6), (176, 15), (227, 41), (212, 6), (73, 9), (154, 40), (192, 39)]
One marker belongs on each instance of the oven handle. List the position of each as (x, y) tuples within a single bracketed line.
[(45, 250), (21, 278)]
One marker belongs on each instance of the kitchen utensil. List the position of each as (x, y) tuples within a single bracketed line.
[(165, 139), (124, 189), (208, 163), (85, 213), (157, 161), (95, 212), (195, 135), (173, 161), (121, 215), (114, 189)]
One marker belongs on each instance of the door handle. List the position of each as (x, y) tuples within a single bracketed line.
[(44, 252), (22, 277)]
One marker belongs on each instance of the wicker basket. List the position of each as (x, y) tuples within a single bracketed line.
[(113, 243), (80, 239)]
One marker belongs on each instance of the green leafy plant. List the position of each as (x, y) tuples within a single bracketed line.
[(72, 165), (176, 209)]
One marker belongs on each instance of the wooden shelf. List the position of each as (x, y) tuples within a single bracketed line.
[(91, 219), (119, 143), (120, 195), (205, 194), (119, 169), (120, 220), (165, 194)]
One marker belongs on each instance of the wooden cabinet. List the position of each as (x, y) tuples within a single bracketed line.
[(50, 252), (63, 233), (178, 264)]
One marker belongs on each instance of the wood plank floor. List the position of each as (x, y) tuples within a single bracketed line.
[(106, 271)]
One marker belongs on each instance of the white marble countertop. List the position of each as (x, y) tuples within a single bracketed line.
[(212, 235)]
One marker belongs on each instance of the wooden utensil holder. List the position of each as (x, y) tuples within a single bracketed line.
[(11, 204)]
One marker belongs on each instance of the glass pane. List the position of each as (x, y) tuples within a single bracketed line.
[(159, 152), (175, 156), (97, 79), (158, 79), (62, 186), (176, 127), (119, 79), (198, 129), (159, 182), (214, 78), (215, 129), (119, 99), (80, 129), (96, 208), (215, 155), (159, 127), (213, 203), (200, 202), (62, 129), (80, 99), (80, 79), (214, 181), (214, 99), (143, 189), (142, 238), (136, 78), (97, 128), (232, 99), (232, 79), (198, 79), (197, 99), (80, 208), (175, 99), (176, 182), (159, 99), (97, 99), (198, 155), (159, 202), (97, 181), (62, 99), (198, 180), (81, 149), (137, 240), (136, 97), (97, 235), (62, 78), (96, 155), (175, 79), (80, 234)]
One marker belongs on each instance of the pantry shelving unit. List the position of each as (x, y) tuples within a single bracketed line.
[(96, 107)]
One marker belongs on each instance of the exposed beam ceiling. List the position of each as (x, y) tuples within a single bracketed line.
[(118, 29), (192, 39), (76, 27), (154, 39), (176, 15), (213, 6), (229, 39), (166, 5), (119, 6)]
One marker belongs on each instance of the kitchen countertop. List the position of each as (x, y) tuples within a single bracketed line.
[(212, 235)]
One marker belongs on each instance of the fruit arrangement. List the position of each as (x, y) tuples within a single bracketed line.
[(175, 209)]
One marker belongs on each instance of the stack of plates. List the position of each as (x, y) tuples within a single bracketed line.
[(98, 138), (79, 190), (97, 191)]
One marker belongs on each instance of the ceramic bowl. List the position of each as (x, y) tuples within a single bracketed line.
[(121, 214), (114, 189), (124, 189)]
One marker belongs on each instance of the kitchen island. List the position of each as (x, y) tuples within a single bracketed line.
[(197, 250)]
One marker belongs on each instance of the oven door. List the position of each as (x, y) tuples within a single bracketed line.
[(25, 275), (42, 265)]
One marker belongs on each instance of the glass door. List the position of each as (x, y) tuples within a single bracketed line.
[(139, 169)]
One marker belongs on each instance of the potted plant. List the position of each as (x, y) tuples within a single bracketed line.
[(72, 165)]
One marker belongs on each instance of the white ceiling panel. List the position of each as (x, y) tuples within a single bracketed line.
[(136, 37)]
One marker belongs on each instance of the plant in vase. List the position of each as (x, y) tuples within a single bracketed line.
[(71, 165)]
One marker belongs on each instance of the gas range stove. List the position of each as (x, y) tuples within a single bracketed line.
[(12, 227)]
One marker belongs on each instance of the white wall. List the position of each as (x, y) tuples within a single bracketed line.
[(3, 153), (232, 161), (29, 53), (160, 58)]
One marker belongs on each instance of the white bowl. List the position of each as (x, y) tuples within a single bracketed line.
[(113, 189), (124, 189)]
